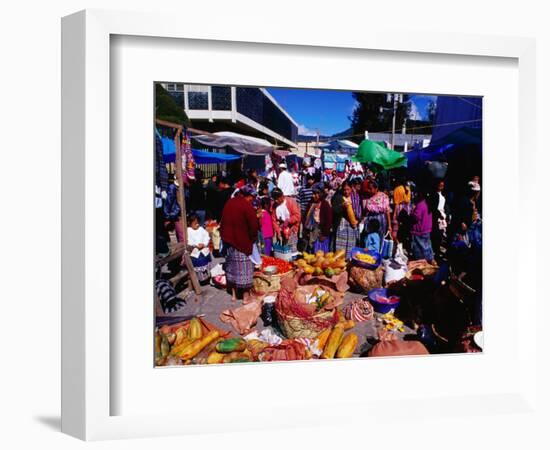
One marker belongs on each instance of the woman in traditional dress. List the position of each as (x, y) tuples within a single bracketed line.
[(198, 240), (239, 231), (318, 222), (401, 213), (345, 219), (422, 227), (286, 219), (376, 205)]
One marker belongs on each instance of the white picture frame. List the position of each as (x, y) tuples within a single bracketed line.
[(86, 247)]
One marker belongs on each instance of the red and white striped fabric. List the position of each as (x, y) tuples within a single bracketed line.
[(359, 311)]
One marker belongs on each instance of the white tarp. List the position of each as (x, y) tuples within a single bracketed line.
[(247, 145)]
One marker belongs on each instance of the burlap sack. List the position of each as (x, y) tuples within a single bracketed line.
[(363, 280)]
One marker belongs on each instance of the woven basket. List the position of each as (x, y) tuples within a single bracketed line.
[(294, 326), (265, 284)]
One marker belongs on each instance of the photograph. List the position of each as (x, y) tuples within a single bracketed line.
[(297, 224)]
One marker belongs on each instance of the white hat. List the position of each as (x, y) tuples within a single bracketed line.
[(474, 186), (282, 166)]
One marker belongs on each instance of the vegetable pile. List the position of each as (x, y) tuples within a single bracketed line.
[(321, 263), (282, 265)]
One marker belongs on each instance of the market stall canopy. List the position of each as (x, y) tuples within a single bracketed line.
[(247, 145), (378, 153), (340, 144), (201, 156)]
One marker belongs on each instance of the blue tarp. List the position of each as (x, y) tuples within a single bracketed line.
[(204, 157), (462, 149), (454, 113), (201, 156)]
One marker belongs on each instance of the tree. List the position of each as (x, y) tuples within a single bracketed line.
[(431, 109), (374, 113), (166, 107)]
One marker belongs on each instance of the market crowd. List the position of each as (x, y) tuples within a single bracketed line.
[(309, 209)]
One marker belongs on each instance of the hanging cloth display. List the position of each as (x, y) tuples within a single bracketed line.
[(188, 161)]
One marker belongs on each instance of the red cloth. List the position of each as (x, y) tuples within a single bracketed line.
[(239, 225), (295, 216)]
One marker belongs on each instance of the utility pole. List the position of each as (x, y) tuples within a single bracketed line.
[(396, 99), (393, 121)]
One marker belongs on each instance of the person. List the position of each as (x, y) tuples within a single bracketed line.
[(376, 205), (372, 241), (318, 221), (222, 195), (286, 219), (263, 189), (440, 214), (305, 194), (266, 225), (252, 178), (421, 218), (211, 187), (464, 211), (401, 212), (197, 198), (239, 232), (345, 221), (356, 197), (172, 209), (198, 240), (285, 181)]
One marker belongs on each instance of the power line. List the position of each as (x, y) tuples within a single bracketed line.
[(414, 128), (469, 102)]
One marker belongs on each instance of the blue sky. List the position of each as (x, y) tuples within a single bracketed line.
[(325, 110)]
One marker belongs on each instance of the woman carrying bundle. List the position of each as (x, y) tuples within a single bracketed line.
[(318, 221), (345, 219)]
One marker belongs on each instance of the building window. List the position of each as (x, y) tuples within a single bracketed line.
[(221, 98), (252, 103), (197, 96)]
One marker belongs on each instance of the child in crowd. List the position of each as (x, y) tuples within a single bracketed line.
[(266, 225), (372, 241), (198, 240)]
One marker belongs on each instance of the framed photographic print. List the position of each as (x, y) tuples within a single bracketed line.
[(254, 217)]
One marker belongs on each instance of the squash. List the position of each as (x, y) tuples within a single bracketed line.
[(181, 334), (215, 358), (347, 347), (333, 342), (195, 329), (231, 345)]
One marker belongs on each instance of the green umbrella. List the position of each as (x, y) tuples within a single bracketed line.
[(378, 153)]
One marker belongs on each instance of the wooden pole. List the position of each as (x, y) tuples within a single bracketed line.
[(183, 216)]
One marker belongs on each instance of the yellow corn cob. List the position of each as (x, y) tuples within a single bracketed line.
[(322, 338), (348, 325), (347, 347), (333, 342), (181, 346), (194, 348)]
